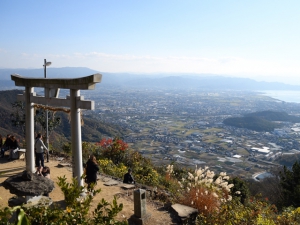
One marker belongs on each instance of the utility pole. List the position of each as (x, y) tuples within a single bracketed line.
[(46, 91)]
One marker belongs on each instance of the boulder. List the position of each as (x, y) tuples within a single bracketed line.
[(28, 184), (185, 213), (27, 176)]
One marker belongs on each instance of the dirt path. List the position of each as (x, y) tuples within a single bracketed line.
[(159, 215)]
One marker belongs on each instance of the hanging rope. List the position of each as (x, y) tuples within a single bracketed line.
[(54, 109), (51, 108)]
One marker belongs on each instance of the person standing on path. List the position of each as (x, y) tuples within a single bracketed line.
[(91, 170), (40, 149)]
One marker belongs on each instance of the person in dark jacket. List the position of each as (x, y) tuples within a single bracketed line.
[(14, 147), (1, 143), (91, 170), (128, 178), (6, 145)]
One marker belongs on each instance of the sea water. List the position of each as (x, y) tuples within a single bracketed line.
[(287, 96)]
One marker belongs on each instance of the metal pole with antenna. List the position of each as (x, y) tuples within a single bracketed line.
[(47, 96)]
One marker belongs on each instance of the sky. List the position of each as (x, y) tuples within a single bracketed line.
[(258, 39)]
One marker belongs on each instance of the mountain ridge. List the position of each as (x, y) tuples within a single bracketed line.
[(143, 80)]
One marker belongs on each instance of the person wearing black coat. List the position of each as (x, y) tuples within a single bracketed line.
[(7, 145), (128, 178), (91, 170), (14, 147)]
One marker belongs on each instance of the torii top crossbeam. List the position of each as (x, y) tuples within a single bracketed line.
[(75, 102), (83, 83)]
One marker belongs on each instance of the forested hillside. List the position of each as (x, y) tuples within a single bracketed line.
[(274, 116), (261, 121), (251, 123), (6, 109), (92, 129)]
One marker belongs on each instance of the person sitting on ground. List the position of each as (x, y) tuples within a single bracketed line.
[(6, 145), (1, 143), (91, 170), (14, 147), (128, 178), (40, 148), (46, 172)]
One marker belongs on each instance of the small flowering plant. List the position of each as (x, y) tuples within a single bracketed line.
[(203, 189)]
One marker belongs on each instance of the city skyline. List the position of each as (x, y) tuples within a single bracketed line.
[(253, 39)]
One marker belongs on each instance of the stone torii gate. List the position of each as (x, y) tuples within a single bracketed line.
[(75, 102)]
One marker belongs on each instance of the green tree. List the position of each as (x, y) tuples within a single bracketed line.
[(240, 189), (290, 183)]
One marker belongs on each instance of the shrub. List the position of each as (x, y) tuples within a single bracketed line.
[(76, 212), (88, 149), (67, 148), (109, 168), (146, 174), (113, 149), (200, 190), (234, 212)]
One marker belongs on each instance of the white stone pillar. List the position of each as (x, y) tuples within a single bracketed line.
[(29, 136), (76, 144)]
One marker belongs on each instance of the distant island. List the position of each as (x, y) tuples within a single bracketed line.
[(261, 121)]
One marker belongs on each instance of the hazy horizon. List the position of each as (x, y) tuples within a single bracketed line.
[(257, 40)]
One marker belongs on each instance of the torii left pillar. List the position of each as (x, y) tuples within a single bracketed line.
[(29, 121)]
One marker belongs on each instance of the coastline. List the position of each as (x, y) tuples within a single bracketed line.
[(280, 95)]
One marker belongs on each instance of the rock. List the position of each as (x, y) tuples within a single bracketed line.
[(128, 186), (64, 165), (111, 183), (16, 200), (38, 201), (38, 185), (186, 213), (27, 176)]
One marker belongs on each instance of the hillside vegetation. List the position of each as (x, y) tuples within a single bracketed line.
[(219, 199), (6, 100), (92, 129), (274, 116), (261, 121)]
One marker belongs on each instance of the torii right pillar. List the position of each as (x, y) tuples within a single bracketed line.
[(76, 136)]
